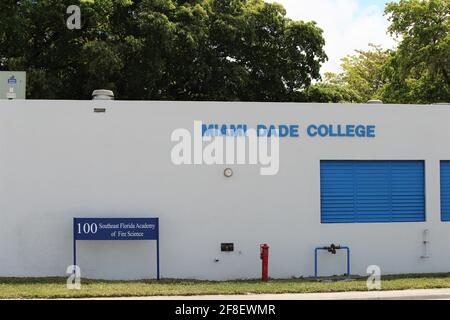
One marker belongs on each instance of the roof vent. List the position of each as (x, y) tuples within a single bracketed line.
[(374, 102), (102, 95)]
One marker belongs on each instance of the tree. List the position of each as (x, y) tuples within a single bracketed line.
[(362, 72), (61, 63), (328, 92), (418, 71), (165, 49)]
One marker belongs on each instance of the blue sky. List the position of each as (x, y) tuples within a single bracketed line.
[(380, 3), (347, 24)]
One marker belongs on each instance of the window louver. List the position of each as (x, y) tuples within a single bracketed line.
[(372, 191)]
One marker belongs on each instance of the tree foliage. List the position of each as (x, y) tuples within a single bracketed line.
[(161, 49), (244, 50), (362, 72), (418, 70), (329, 92)]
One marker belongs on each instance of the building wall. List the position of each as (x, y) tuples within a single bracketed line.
[(61, 160), (13, 85)]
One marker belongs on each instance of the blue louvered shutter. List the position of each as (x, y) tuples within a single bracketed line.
[(445, 190), (372, 191)]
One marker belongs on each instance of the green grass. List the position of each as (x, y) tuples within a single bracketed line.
[(56, 287)]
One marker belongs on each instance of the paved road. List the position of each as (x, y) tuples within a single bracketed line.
[(425, 294)]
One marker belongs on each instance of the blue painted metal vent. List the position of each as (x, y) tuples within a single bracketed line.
[(445, 190), (372, 191)]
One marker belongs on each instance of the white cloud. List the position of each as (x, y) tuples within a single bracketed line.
[(347, 25)]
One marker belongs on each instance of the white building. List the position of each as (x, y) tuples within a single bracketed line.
[(378, 196)]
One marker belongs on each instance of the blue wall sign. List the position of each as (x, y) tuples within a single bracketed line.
[(292, 130), (116, 229), (12, 80)]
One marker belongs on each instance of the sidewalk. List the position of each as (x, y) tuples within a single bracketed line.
[(422, 294)]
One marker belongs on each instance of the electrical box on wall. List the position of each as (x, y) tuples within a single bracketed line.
[(13, 85), (227, 247)]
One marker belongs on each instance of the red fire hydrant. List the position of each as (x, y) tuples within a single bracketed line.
[(264, 252)]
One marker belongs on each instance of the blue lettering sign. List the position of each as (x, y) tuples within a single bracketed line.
[(224, 130), (312, 130), (291, 130), (329, 130), (116, 229), (371, 131), (12, 80), (261, 130)]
